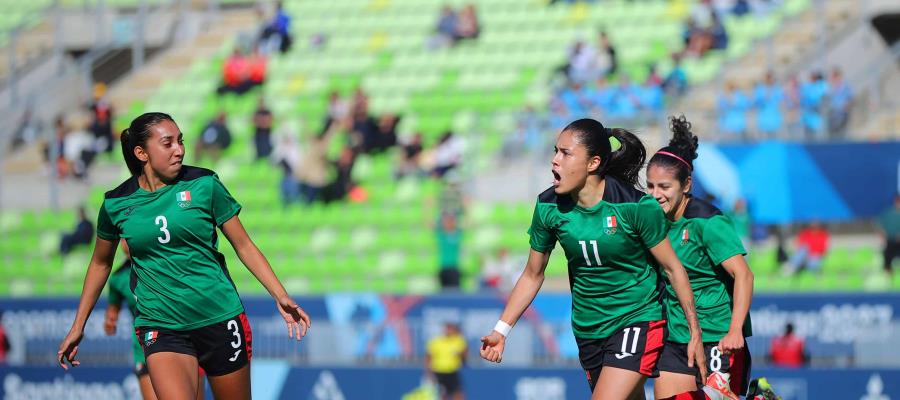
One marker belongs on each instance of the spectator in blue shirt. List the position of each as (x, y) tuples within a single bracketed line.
[(676, 82), (840, 97), (733, 106), (812, 96), (768, 98), (276, 34)]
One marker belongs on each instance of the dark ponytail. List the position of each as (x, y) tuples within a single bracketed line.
[(681, 152), (136, 135), (624, 163)]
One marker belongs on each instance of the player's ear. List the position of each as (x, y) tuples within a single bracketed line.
[(141, 154), (593, 164), (687, 185)]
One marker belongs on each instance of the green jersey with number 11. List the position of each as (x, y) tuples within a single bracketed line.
[(181, 279), (613, 277)]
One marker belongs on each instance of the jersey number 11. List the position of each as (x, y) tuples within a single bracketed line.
[(584, 250)]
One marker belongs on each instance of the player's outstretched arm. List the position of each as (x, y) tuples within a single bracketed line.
[(297, 320), (94, 280), (667, 258), (521, 297), (737, 267)]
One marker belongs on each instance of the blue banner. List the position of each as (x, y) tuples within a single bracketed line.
[(276, 380)]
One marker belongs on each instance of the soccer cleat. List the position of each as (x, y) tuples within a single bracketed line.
[(760, 389), (718, 387)]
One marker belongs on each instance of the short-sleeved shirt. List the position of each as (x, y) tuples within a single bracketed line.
[(446, 353), (119, 292), (703, 238), (613, 277), (889, 221), (181, 279)]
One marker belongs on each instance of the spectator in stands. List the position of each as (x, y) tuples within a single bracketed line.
[(467, 25), (80, 147), (788, 350), (812, 98), (314, 167), (653, 77), (338, 110), (54, 151), (364, 133), (840, 99), (732, 106), (214, 139), (444, 357), (581, 66), (445, 32), (101, 119), (741, 8), (447, 154), (718, 34), (343, 182), (768, 99), (4, 342), (386, 136), (676, 82), (449, 239), (889, 222), (359, 104), (81, 235), (235, 74), (410, 158), (501, 272), (286, 155), (262, 130), (607, 62), (792, 106), (277, 33), (697, 39), (256, 69), (811, 246)]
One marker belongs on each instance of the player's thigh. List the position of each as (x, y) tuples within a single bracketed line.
[(671, 383), (146, 387), (232, 386), (675, 376), (617, 384), (174, 375)]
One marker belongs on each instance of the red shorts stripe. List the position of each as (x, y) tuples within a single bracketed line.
[(653, 347), (737, 364), (248, 335)]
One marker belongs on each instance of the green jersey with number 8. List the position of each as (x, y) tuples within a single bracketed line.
[(182, 282), (613, 277)]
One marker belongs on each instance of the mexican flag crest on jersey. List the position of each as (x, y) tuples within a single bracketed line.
[(685, 236), (184, 198), (610, 225)]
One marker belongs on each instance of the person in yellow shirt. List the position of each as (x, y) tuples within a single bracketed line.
[(444, 358)]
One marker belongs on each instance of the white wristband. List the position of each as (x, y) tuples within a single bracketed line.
[(502, 328)]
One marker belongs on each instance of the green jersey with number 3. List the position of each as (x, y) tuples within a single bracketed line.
[(613, 277), (703, 238), (182, 282)]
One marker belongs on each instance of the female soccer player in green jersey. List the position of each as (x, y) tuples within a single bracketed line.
[(188, 310), (613, 236), (713, 256), (119, 292)]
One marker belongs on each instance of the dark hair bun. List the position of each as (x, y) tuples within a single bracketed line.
[(683, 140)]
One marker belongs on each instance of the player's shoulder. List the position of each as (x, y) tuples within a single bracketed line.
[(698, 208), (124, 189), (620, 192), (190, 173)]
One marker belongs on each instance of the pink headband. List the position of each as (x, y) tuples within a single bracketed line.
[(676, 157)]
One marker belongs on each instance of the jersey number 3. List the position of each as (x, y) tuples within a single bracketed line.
[(584, 250), (166, 236)]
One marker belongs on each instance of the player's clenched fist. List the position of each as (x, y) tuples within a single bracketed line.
[(492, 347)]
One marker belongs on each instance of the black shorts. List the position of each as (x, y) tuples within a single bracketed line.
[(448, 383), (674, 359), (635, 348), (220, 348)]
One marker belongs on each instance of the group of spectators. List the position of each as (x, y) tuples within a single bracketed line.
[(814, 109), (455, 26)]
